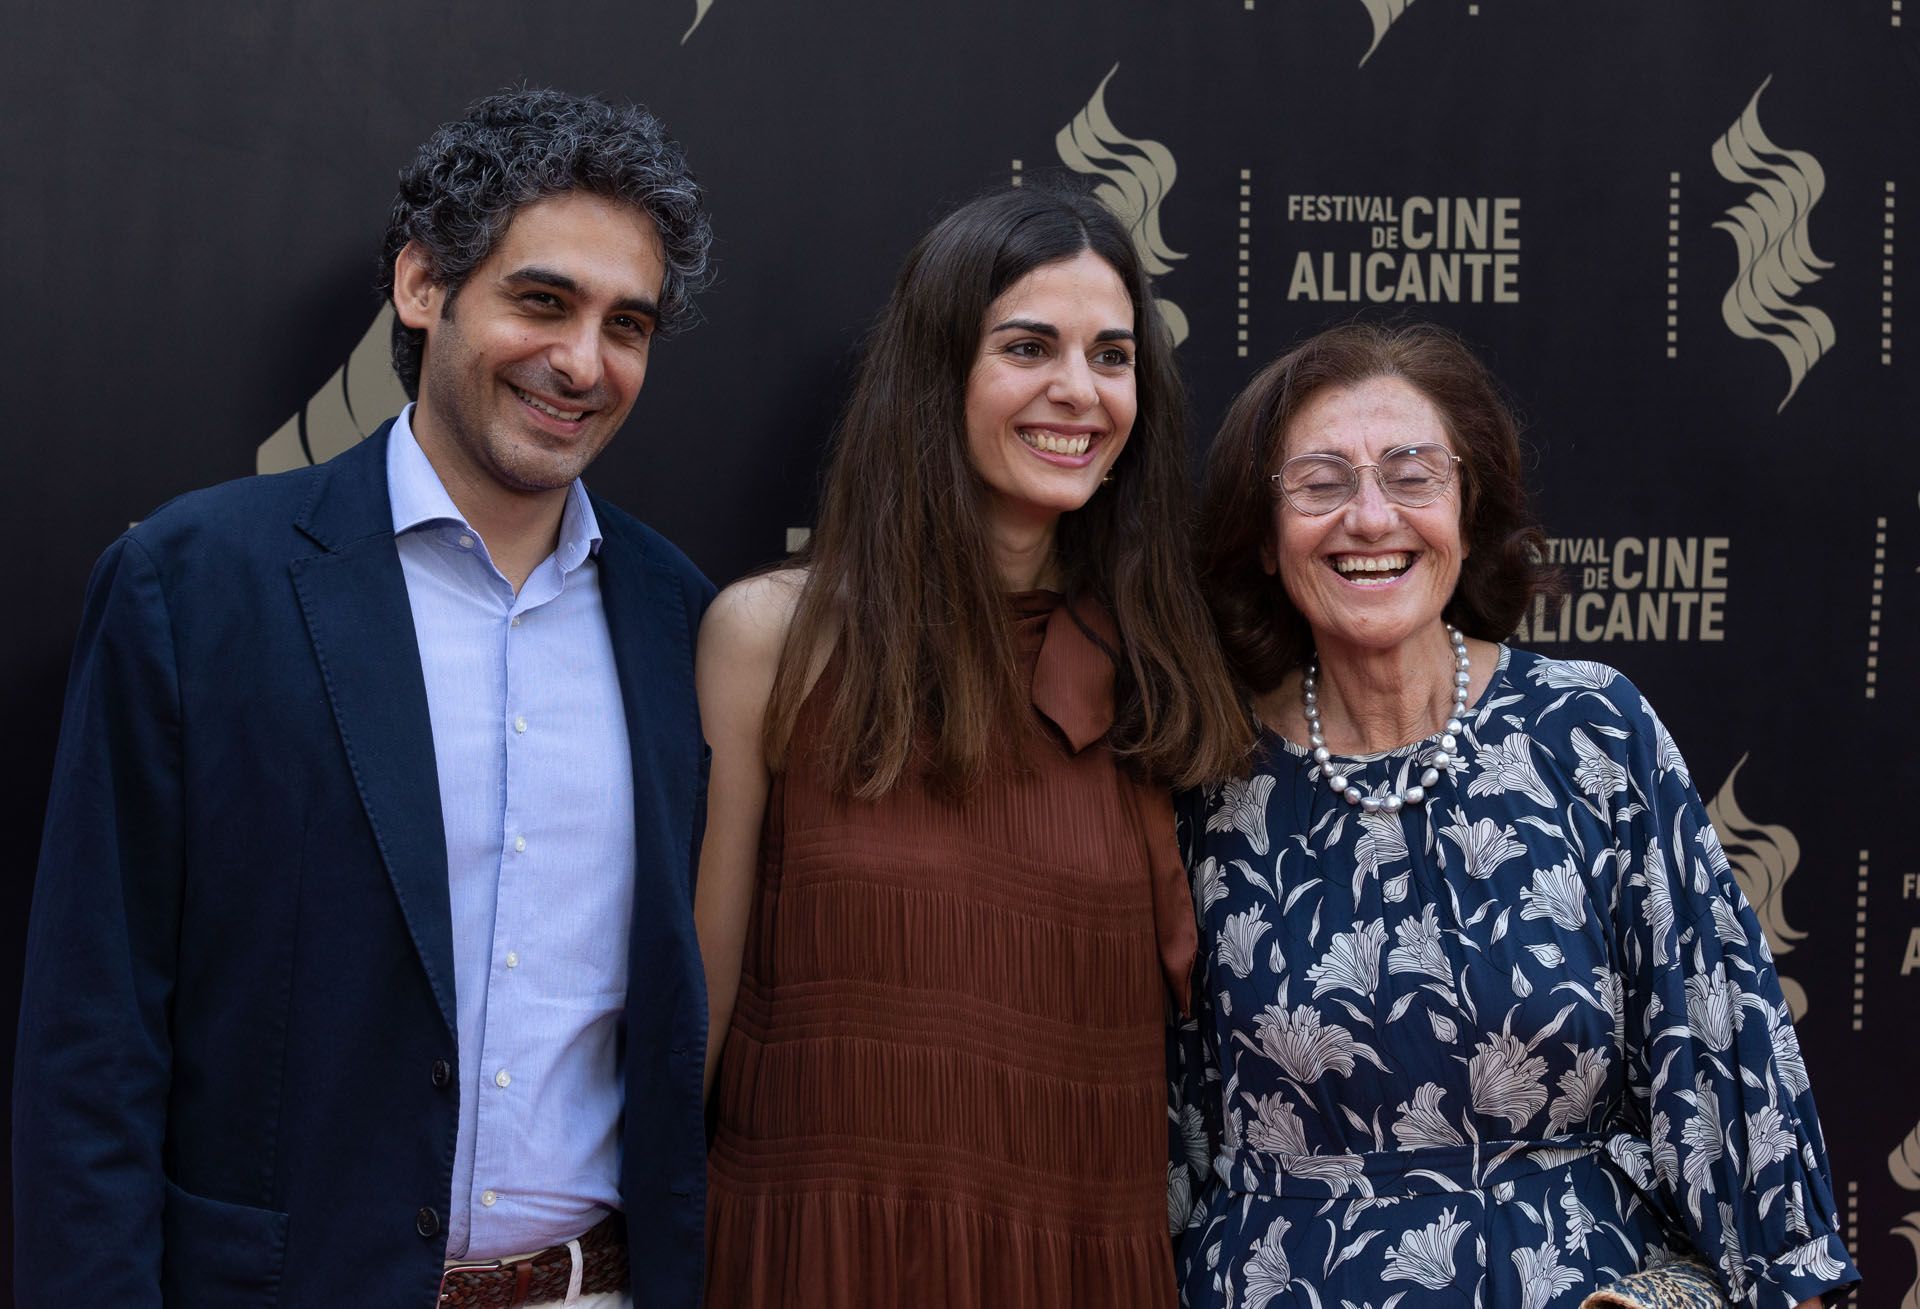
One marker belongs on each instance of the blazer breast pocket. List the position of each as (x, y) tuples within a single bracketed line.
[(217, 1255)]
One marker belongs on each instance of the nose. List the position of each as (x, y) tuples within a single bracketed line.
[(575, 355), (1072, 385), (1369, 513)]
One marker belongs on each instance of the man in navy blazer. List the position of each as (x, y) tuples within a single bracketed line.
[(362, 966)]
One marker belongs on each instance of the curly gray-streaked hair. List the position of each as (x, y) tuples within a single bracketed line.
[(516, 147)]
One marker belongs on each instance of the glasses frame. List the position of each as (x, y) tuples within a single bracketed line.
[(1278, 480)]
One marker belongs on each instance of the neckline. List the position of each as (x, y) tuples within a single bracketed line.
[(1272, 736)]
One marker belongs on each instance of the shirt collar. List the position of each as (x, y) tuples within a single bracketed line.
[(419, 499)]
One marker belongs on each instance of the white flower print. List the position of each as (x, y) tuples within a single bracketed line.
[(1275, 1128), (1666, 753), (1484, 845), (1304, 1049), (1541, 1276), (1179, 1199), (1381, 842), (1708, 840), (1580, 1088), (1193, 1139), (1701, 1137), (1666, 1159), (1768, 1140), (1352, 961), (1581, 674), (1508, 766), (1713, 1008), (1426, 1256), (1243, 808), (1658, 907), (1420, 950), (1421, 1123), (1267, 1272), (1580, 1223), (1506, 1079), (1597, 774), (1209, 886), (1785, 1043), (1733, 1261), (1814, 1259), (1238, 937), (1557, 894)]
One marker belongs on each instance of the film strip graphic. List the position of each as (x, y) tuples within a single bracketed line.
[(1673, 265), (1244, 275)]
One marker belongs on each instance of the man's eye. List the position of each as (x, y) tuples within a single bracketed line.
[(541, 299), (633, 326)]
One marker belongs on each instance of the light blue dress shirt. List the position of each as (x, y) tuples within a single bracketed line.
[(536, 792)]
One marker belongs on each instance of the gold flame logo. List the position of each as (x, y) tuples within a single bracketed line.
[(362, 394), (1384, 13), (1910, 1229), (1764, 856), (700, 8), (1769, 231), (1135, 178), (1904, 1162)]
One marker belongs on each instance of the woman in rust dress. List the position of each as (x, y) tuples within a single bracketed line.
[(942, 912)]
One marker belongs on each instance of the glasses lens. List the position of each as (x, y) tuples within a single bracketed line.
[(1416, 475), (1317, 484)]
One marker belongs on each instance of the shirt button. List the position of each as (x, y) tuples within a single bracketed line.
[(513, 958), (487, 1198), (426, 1222), (519, 843), (501, 1080), (466, 542), (515, 622), (519, 724)]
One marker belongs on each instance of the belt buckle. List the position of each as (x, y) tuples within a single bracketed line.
[(466, 1266)]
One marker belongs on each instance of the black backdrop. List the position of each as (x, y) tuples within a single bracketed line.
[(1685, 220)]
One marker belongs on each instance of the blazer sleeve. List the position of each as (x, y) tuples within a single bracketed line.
[(94, 1058)]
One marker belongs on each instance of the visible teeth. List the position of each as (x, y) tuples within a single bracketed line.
[(1371, 563), (568, 416), (1057, 445)]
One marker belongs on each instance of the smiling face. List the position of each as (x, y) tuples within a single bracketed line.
[(1051, 399), (534, 365), (1372, 573)]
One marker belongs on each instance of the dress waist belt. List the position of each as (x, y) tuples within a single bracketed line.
[(1426, 1170)]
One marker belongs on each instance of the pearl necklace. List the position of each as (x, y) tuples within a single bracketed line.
[(1444, 757)]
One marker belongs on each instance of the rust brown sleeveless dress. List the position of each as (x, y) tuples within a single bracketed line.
[(945, 1080)]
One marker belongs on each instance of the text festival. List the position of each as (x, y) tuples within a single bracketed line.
[(1634, 588), (1424, 250)]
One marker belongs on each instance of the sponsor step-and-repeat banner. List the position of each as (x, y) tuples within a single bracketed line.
[(1678, 232)]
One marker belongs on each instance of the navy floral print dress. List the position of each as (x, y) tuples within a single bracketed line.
[(1496, 1050)]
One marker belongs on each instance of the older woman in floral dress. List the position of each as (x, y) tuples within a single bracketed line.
[(1486, 1020)]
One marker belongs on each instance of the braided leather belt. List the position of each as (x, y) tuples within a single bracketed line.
[(541, 1278)]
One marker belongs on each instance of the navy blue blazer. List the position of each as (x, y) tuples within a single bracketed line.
[(237, 1074)]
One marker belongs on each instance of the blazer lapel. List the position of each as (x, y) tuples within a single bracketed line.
[(652, 648), (354, 598)]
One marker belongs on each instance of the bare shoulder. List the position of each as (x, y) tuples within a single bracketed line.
[(749, 619)]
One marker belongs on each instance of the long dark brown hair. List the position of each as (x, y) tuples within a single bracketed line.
[(901, 574), (1263, 634)]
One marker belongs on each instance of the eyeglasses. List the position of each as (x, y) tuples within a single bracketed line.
[(1412, 475)]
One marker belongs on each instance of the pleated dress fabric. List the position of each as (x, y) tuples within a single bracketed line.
[(944, 1080)]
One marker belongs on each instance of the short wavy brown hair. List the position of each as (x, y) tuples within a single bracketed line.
[(1263, 634)]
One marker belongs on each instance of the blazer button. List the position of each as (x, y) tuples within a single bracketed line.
[(442, 1074), (426, 1222)]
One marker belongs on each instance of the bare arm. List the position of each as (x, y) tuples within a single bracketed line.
[(739, 653)]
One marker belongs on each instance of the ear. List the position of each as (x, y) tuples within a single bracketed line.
[(417, 298)]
